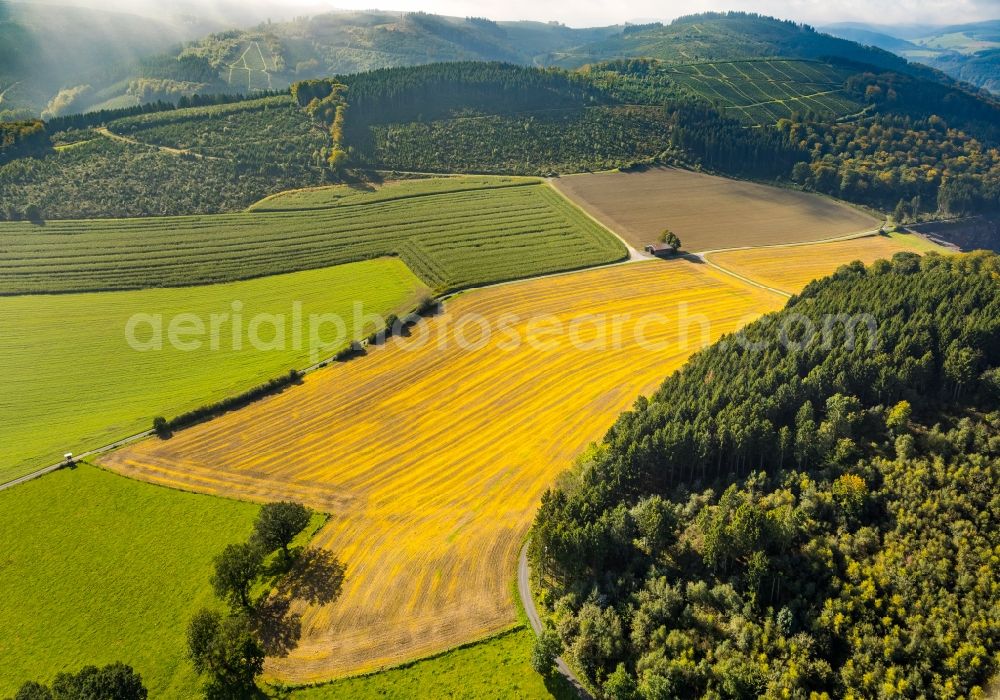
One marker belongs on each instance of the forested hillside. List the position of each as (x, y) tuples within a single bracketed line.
[(58, 59), (968, 52), (507, 119), (20, 139), (829, 115), (729, 36), (813, 518), (266, 131), (274, 55), (886, 140), (92, 176)]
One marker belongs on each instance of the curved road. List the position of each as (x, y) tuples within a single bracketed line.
[(524, 591)]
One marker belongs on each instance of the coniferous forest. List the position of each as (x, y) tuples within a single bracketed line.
[(812, 518)]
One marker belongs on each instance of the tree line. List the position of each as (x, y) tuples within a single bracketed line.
[(100, 117), (914, 168), (24, 138), (259, 579), (807, 519), (439, 90)]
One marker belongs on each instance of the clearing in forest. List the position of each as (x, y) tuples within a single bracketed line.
[(432, 453), (708, 212), (790, 268)]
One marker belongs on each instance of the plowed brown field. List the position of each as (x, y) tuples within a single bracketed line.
[(432, 461), (708, 212)]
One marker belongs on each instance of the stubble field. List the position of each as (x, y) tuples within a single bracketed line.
[(431, 456), (706, 211), (791, 268)]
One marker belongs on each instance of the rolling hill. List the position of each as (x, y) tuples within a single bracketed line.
[(109, 60), (732, 36), (274, 55), (62, 58), (966, 52)]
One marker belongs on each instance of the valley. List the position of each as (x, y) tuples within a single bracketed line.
[(436, 291)]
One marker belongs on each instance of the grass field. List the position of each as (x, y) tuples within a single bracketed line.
[(451, 240), (764, 91), (708, 212), (270, 129), (338, 195), (495, 668), (97, 569), (432, 456), (793, 267), (71, 381)]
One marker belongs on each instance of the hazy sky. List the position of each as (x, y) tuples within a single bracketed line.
[(601, 12)]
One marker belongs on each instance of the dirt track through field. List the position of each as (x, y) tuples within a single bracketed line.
[(432, 461), (708, 212)]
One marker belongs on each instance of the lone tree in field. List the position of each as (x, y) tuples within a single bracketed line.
[(670, 238), (278, 524), (236, 569), (225, 649), (161, 427)]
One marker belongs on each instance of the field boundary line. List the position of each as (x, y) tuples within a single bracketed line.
[(846, 237), (413, 195), (106, 132), (528, 603), (76, 459), (703, 256), (634, 255), (402, 666), (741, 278)]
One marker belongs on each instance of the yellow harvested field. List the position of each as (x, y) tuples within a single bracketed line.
[(708, 212), (790, 268), (432, 453)]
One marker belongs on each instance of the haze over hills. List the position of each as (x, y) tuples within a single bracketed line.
[(537, 212), (60, 60), (966, 52), (45, 49), (148, 63)]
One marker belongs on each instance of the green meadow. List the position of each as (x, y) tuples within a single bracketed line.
[(72, 381), (499, 667), (455, 235), (97, 568), (338, 195)]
